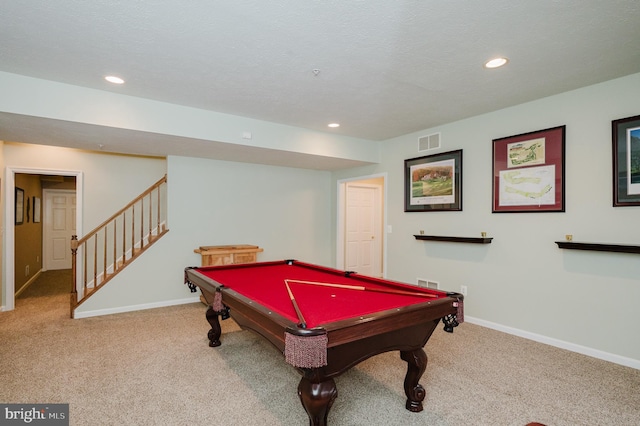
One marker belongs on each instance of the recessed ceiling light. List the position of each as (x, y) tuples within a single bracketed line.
[(496, 62), (333, 125), (113, 79)]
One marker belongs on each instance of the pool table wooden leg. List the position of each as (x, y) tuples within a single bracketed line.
[(216, 330), (416, 364), (317, 399)]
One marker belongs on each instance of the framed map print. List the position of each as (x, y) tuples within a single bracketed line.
[(626, 161), (528, 172)]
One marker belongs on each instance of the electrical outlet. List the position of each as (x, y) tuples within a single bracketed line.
[(26, 271), (463, 290)]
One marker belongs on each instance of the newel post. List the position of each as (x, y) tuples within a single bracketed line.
[(74, 290)]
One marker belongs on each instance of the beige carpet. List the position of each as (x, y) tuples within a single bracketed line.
[(154, 367)]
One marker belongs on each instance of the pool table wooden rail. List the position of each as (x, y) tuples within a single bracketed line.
[(272, 326)]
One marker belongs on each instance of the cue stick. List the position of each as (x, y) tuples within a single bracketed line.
[(362, 288), (303, 323)]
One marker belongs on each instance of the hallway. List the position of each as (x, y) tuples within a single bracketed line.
[(48, 284)]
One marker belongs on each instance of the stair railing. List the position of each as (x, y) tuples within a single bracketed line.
[(105, 251)]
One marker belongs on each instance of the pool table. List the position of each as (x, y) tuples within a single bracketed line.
[(326, 321)]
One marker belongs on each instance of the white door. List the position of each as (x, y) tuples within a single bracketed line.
[(363, 229), (59, 221)]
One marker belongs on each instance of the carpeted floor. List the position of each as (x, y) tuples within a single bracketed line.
[(49, 283), (155, 367)]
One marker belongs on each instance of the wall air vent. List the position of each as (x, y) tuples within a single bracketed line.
[(428, 142), (428, 284)]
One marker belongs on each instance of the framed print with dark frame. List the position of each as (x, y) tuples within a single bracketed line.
[(528, 172), (36, 209), (433, 182), (19, 218), (626, 161)]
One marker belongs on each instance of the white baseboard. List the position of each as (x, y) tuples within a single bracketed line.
[(594, 353), (132, 308)]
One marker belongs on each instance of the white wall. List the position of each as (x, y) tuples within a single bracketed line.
[(109, 182), (41, 98), (522, 282), (3, 296), (106, 186), (286, 211)]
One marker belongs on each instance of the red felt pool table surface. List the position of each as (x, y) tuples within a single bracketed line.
[(264, 283)]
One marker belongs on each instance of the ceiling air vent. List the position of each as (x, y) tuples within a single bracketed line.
[(429, 142)]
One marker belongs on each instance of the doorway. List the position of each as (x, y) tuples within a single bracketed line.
[(361, 242), (9, 215)]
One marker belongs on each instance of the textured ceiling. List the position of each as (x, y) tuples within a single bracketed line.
[(386, 68)]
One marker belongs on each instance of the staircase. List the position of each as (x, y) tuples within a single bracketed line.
[(101, 254)]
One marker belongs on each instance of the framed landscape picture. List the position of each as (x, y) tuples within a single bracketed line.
[(528, 172), (433, 182), (626, 161)]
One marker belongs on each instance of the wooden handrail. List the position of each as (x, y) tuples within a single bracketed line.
[(125, 208), (98, 265)]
